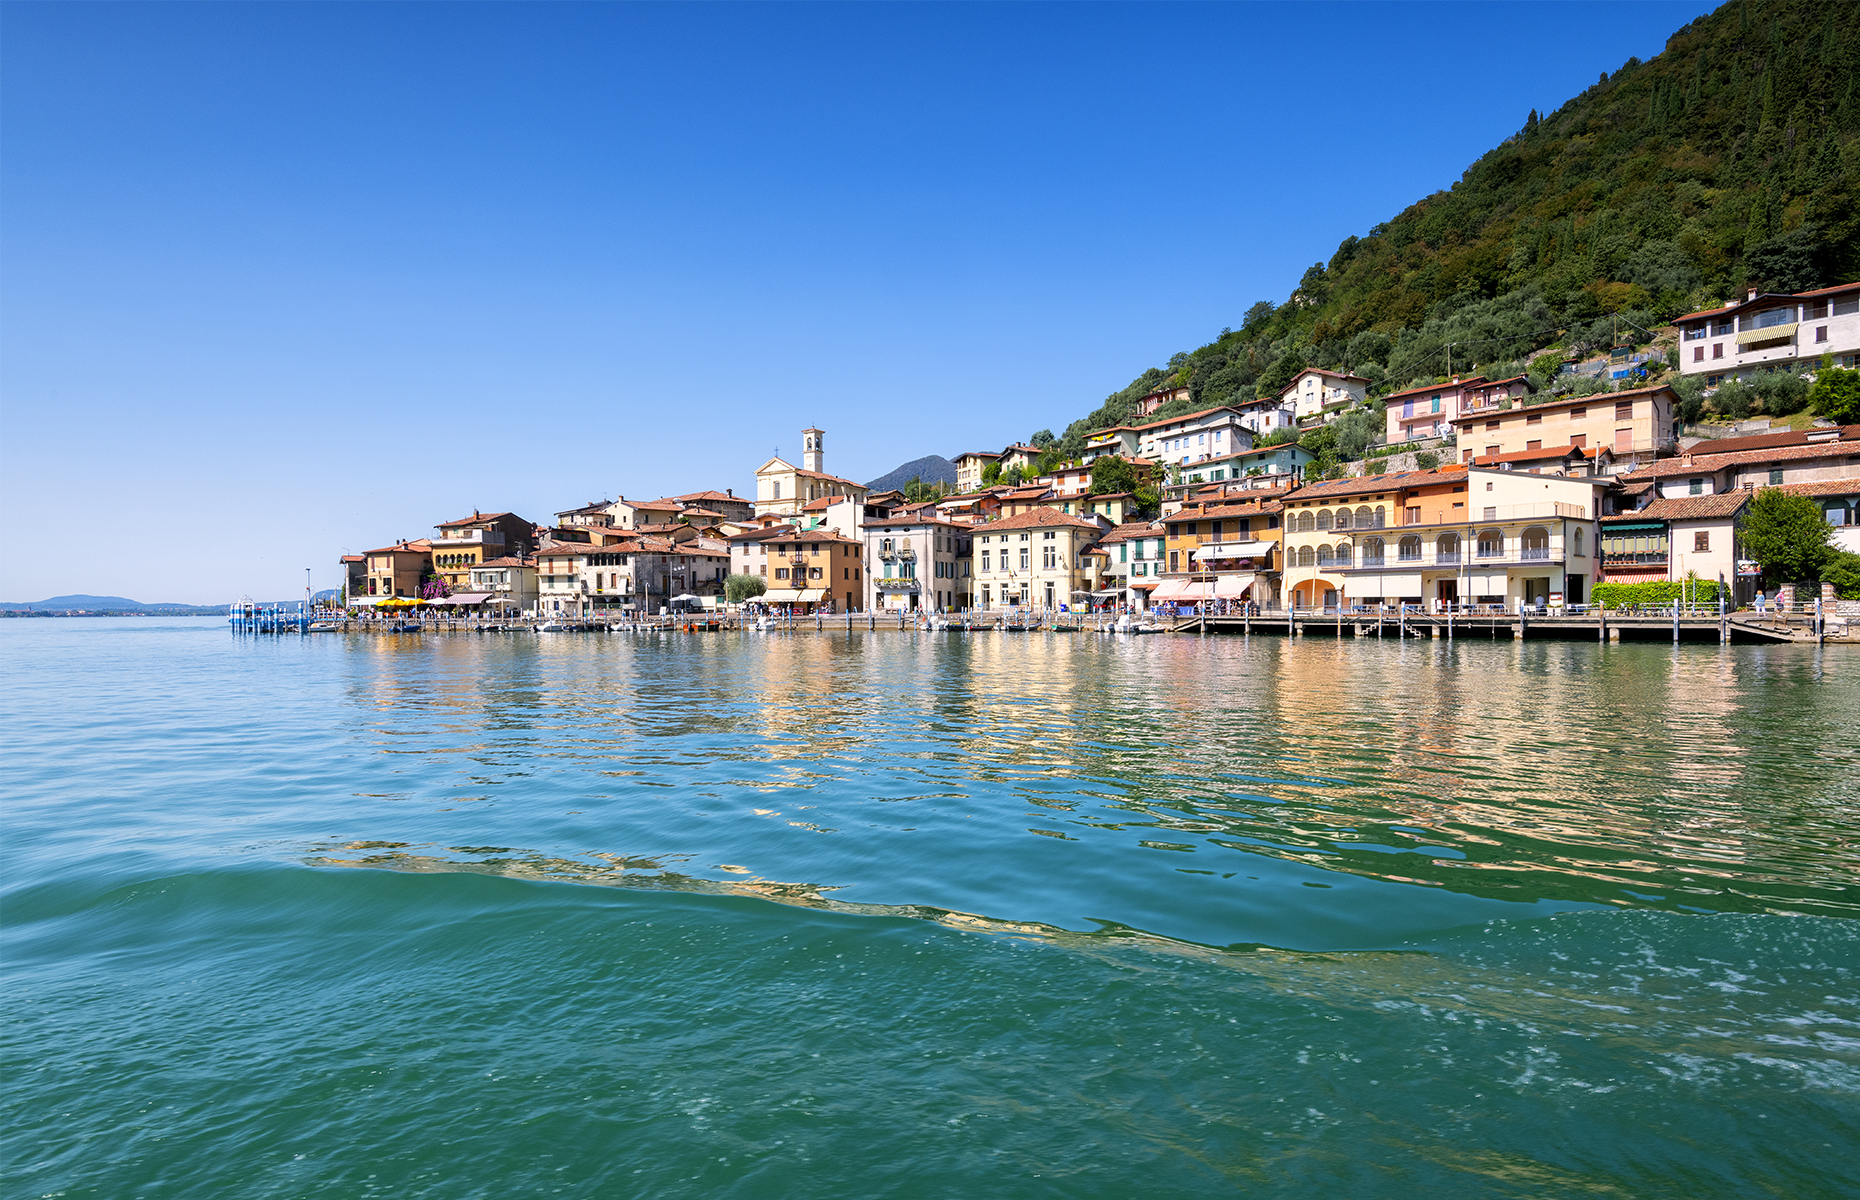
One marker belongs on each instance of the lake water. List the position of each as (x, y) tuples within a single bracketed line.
[(925, 915)]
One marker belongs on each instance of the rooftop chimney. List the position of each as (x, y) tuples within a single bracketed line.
[(1753, 293)]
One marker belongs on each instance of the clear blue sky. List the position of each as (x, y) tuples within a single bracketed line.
[(282, 281)]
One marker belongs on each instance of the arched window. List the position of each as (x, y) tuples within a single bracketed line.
[(1372, 552), (1578, 541), (1306, 556), (1343, 518), (1365, 519), (1344, 556), (1306, 522), (1324, 556), (1536, 542), (1381, 517), (1447, 548), (1323, 520), (1491, 543), (1410, 549)]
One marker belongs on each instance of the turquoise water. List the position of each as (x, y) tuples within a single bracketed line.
[(925, 915)]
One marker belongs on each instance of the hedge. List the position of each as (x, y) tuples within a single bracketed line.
[(1616, 595)]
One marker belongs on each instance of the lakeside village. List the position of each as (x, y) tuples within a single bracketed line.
[(1492, 498)]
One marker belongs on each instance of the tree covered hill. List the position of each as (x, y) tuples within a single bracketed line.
[(1730, 161)]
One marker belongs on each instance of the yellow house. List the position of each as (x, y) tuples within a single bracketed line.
[(398, 570), (1036, 558)]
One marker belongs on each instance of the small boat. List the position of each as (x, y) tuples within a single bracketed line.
[(326, 627), (554, 627), (404, 627)]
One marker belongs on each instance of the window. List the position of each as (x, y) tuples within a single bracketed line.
[(781, 572), (1771, 318), (1175, 560), (778, 489), (1578, 414), (1695, 332), (1579, 440), (1701, 540), (1717, 349), (1491, 425), (1024, 553), (1323, 519), (1695, 487), (1821, 333), (1534, 444), (1534, 419), (1578, 541), (1491, 449), (1372, 552), (1049, 557), (1409, 550), (1698, 354), (1775, 475), (1846, 307), (1624, 411), (1414, 515), (1307, 557), (1491, 543)]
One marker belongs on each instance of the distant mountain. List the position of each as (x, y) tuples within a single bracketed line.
[(91, 604), (932, 468)]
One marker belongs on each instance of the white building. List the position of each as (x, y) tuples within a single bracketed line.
[(1769, 332)]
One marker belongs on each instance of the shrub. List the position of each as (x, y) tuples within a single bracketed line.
[(738, 588), (1427, 460), (1843, 571), (1375, 466), (1836, 395), (1618, 595)]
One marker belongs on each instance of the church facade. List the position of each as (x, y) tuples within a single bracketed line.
[(783, 489)]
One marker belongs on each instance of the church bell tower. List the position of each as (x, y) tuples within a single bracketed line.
[(811, 449)]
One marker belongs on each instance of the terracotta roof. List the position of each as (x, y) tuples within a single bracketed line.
[(1379, 483), (475, 519), (1540, 455), (664, 505), (508, 560), (1466, 382), (1823, 487), (823, 503), (595, 506), (353, 557), (1021, 446), (1328, 374), (565, 550), (1027, 493), (1039, 518), (1788, 437), (1696, 463), (1766, 298), (1132, 529), (1174, 420), (692, 497), (1222, 511), (831, 478), (701, 512), (792, 534), (417, 546), (1687, 508), (1593, 398), (975, 454)]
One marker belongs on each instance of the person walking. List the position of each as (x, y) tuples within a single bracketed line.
[(1760, 608)]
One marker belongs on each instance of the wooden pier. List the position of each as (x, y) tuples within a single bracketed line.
[(1696, 625)]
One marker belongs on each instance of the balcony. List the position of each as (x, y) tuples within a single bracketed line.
[(1635, 558), (1534, 554), (898, 586), (1492, 515)]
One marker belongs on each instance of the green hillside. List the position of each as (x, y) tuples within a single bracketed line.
[(1729, 161)]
